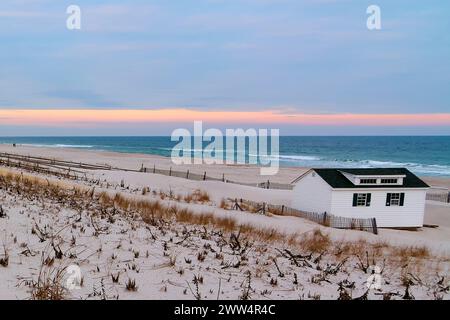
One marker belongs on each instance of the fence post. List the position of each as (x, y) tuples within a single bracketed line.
[(324, 218), (187, 174), (282, 209), (236, 206), (223, 177), (154, 168), (204, 176), (374, 226), (448, 197), (268, 184), (170, 171)]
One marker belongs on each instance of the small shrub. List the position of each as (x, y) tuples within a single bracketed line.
[(315, 242), (131, 285)]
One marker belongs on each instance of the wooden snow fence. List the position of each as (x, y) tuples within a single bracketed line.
[(325, 219), (438, 194), (187, 174)]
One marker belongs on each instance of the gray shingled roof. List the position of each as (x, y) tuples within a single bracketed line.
[(336, 179)]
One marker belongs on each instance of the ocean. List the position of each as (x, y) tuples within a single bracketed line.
[(423, 155)]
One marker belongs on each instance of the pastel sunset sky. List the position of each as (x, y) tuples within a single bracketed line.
[(145, 67)]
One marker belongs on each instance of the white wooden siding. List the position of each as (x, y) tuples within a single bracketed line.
[(312, 193), (409, 215)]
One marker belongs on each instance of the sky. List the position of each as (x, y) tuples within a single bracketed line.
[(146, 67)]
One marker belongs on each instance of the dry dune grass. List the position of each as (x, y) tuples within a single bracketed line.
[(224, 204), (149, 210), (152, 210), (315, 242), (405, 253), (49, 285), (197, 196), (201, 196)]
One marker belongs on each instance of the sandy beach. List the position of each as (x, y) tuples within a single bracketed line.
[(130, 235), (242, 173)]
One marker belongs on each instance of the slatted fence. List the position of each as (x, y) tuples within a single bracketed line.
[(7, 158), (369, 225), (442, 196), (187, 174), (54, 166)]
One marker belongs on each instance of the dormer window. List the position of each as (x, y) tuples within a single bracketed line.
[(368, 181), (389, 181), (369, 178)]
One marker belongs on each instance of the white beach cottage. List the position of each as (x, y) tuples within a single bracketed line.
[(394, 196)]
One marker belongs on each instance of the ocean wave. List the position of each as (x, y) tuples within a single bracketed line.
[(57, 145), (287, 157), (419, 168), (298, 157), (314, 161), (72, 146)]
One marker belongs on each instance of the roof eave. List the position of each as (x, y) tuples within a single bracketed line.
[(380, 188), (301, 176)]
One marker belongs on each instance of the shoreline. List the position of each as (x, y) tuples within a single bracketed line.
[(129, 160)]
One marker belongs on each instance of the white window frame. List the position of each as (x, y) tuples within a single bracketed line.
[(392, 181), (395, 199), (361, 200), (370, 181)]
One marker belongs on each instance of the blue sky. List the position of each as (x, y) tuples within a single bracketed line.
[(311, 56)]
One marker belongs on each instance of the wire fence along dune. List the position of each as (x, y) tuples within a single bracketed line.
[(188, 174), (69, 169), (326, 219), (439, 194), (39, 167)]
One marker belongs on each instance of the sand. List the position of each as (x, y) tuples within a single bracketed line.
[(182, 261), (161, 281)]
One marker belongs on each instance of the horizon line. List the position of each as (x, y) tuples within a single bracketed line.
[(83, 118), (168, 136)]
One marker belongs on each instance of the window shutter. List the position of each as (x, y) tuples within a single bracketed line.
[(388, 199), (355, 197), (402, 199), (369, 196)]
